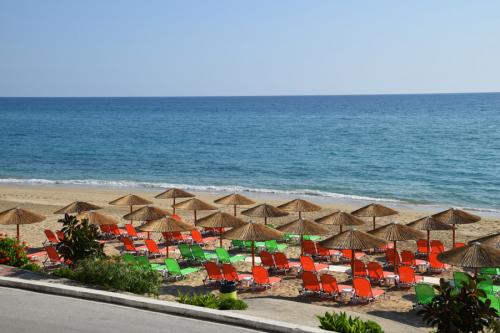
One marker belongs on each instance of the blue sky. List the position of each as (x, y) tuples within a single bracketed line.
[(281, 47)]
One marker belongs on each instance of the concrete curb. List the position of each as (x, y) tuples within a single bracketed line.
[(178, 309)]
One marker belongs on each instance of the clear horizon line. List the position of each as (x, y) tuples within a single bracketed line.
[(279, 95)]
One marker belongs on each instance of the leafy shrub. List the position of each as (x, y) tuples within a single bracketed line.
[(342, 323), (211, 301), (459, 310), (80, 240), (13, 253), (114, 274)]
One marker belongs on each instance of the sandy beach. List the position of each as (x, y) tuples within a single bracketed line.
[(397, 304)]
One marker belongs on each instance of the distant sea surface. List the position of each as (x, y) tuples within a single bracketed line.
[(417, 149)]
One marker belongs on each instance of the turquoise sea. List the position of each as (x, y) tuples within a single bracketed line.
[(419, 149)]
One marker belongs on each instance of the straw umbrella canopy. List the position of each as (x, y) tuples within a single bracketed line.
[(374, 210), (456, 216), (427, 224), (234, 199), (96, 218), (352, 240), (299, 205), (473, 256), (166, 225), (77, 207), (194, 204), (130, 200), (397, 232), (264, 211), (147, 213), (220, 221), (303, 227), (19, 216), (174, 193), (254, 232), (341, 219), (490, 240)]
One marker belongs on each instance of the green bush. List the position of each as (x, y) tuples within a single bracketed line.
[(459, 310), (342, 323), (114, 274), (13, 253), (80, 240), (211, 301)]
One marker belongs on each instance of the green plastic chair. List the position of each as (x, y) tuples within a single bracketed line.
[(142, 261), (238, 243), (176, 271), (490, 271), (201, 255), (273, 246), (186, 253), (488, 286), (129, 259), (248, 245), (312, 238), (224, 257), (461, 279), (424, 293)]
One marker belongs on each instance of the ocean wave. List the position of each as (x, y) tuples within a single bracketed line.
[(200, 188)]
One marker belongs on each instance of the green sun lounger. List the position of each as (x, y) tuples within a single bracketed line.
[(312, 238), (174, 270), (186, 253), (238, 243), (490, 271), (425, 293), (248, 245), (488, 286), (273, 246), (129, 259), (224, 257), (201, 255)]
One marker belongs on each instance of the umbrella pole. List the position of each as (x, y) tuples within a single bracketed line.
[(253, 253), (131, 221), (17, 232), (428, 245), (300, 216), (340, 229), (234, 210), (374, 223), (195, 216), (396, 258), (352, 263), (167, 242), (173, 206), (453, 236), (220, 235)]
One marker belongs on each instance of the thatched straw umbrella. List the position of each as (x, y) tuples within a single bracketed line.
[(304, 227), (234, 199), (194, 205), (77, 207), (490, 240), (473, 256), (254, 232), (220, 221), (19, 216), (374, 210), (456, 216), (146, 214), (96, 218), (167, 225), (299, 205), (352, 240), (341, 219), (264, 211), (174, 193), (130, 200), (427, 224), (397, 232)]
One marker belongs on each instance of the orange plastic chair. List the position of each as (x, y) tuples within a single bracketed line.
[(436, 266), (436, 246), (422, 247), (261, 277), (129, 246), (231, 275), (376, 273), (214, 273), (53, 257), (51, 237), (132, 233), (348, 254), (391, 256), (153, 248), (329, 286), (115, 231), (198, 238), (266, 259), (458, 244), (308, 265), (364, 291), (407, 277), (359, 268), (310, 283), (309, 247), (60, 235), (282, 263)]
